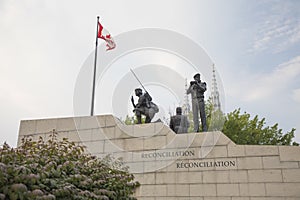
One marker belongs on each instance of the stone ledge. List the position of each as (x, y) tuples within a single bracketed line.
[(289, 153)]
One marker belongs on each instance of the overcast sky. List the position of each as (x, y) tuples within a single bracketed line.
[(255, 46)]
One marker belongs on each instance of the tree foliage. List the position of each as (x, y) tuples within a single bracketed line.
[(56, 169), (215, 118), (130, 120), (241, 129)]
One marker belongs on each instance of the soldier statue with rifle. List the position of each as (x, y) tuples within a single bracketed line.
[(145, 106)]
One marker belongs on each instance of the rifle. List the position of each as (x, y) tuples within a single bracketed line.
[(138, 80), (147, 95)]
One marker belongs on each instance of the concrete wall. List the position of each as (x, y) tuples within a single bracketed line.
[(202, 166)]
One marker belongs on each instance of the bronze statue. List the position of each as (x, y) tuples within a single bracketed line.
[(145, 106), (179, 123), (197, 89)]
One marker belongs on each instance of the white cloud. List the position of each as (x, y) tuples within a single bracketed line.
[(270, 84), (279, 30)]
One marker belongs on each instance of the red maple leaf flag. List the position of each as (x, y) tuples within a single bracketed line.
[(105, 35)]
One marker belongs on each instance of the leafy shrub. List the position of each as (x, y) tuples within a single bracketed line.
[(56, 169)]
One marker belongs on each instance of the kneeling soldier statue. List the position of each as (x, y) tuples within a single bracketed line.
[(145, 106)]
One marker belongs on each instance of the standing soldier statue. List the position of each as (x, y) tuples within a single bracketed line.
[(179, 123), (197, 89)]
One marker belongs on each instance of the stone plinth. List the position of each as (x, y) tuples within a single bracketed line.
[(205, 166)]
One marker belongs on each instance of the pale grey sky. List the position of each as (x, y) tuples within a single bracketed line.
[(254, 44)]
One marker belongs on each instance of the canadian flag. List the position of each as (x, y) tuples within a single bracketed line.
[(105, 35)]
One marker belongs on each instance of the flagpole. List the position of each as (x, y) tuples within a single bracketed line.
[(95, 67)]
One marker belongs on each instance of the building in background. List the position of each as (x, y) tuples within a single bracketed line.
[(215, 95)]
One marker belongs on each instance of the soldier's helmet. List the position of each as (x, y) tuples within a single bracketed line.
[(197, 76), (138, 91), (178, 110)]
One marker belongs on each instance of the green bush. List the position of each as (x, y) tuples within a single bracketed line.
[(56, 169)]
